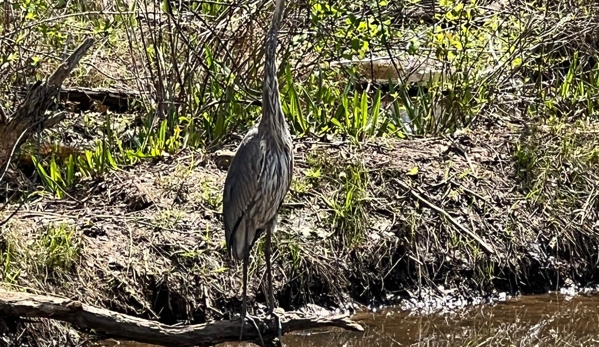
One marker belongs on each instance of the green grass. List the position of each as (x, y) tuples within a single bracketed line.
[(60, 246), (343, 189), (54, 250), (199, 88), (527, 70)]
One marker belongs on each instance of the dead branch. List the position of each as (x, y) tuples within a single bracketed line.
[(486, 247), (30, 114), (114, 324)]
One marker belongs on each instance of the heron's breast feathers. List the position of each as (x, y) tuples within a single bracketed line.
[(273, 183)]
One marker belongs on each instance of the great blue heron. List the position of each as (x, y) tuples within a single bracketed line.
[(260, 174)]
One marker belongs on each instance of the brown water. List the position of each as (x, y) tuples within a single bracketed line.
[(547, 320)]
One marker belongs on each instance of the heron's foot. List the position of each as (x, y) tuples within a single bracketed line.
[(279, 326), (253, 321)]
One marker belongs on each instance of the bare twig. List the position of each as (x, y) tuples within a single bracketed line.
[(487, 247)]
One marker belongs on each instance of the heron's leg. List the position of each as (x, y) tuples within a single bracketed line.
[(245, 284), (267, 253), (253, 320), (244, 313), (271, 297)]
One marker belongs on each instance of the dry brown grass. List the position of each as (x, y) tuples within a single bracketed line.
[(152, 242), (147, 239)]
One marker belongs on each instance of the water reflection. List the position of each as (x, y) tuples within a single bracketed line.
[(548, 320)]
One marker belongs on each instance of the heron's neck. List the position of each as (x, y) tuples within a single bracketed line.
[(273, 120)]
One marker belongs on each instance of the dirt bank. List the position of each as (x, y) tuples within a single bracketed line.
[(148, 240)]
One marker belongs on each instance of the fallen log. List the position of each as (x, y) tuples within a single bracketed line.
[(117, 100), (121, 326), (31, 115)]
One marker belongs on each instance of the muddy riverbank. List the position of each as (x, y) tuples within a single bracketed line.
[(148, 240)]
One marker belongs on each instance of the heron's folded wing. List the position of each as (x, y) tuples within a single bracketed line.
[(241, 184)]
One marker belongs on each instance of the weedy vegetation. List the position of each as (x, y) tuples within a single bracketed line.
[(487, 112)]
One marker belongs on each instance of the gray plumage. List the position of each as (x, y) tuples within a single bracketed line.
[(260, 173), (256, 184)]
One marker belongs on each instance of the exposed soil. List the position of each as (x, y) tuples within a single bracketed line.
[(150, 241)]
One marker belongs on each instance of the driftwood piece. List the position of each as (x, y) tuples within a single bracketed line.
[(117, 325), (31, 113), (410, 70)]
